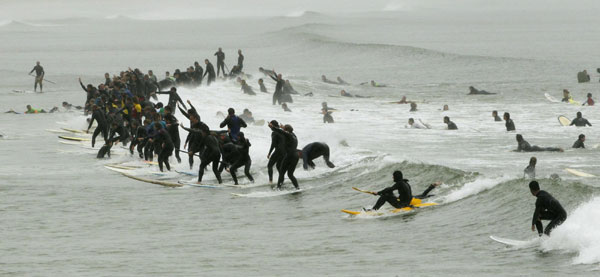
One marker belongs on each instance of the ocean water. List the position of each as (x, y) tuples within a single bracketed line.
[(63, 213)]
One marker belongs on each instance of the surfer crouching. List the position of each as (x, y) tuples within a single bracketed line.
[(546, 208)]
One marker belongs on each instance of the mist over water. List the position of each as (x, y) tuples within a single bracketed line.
[(64, 213)]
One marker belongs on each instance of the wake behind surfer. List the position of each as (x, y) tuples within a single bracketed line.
[(546, 208), (220, 61)]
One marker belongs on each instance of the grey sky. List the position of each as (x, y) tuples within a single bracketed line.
[(185, 9)]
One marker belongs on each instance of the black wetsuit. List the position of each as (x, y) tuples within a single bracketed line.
[(121, 131), (240, 63), (194, 140), (239, 159), (275, 158), (290, 159), (580, 122), (220, 62), (173, 130), (327, 118), (234, 123), (263, 88), (100, 118), (211, 153), (452, 126), (198, 73), (278, 90), (248, 89), (547, 208), (313, 151), (524, 146), (510, 125), (578, 144), (497, 118), (39, 75), (404, 192), (210, 71), (166, 150), (139, 140), (173, 99)]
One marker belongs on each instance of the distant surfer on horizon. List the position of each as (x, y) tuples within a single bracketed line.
[(474, 91), (39, 76), (404, 193), (546, 208)]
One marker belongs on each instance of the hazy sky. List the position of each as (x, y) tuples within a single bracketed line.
[(185, 9)]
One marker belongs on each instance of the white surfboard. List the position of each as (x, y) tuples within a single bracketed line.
[(551, 98), (516, 243), (579, 173)]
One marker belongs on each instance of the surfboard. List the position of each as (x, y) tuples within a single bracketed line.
[(579, 173), (390, 211), (118, 166), (73, 138), (564, 121), (74, 131), (551, 98), (151, 162), (516, 243), (152, 181), (188, 173), (194, 184)]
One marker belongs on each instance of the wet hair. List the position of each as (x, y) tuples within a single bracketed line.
[(398, 175), (274, 122), (534, 186), (288, 128), (231, 111), (519, 137), (446, 118), (507, 115), (158, 105), (581, 136)]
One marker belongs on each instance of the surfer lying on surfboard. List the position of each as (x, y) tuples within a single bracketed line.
[(404, 193), (546, 208)]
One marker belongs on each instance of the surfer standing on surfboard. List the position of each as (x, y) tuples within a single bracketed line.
[(546, 208), (404, 193), (39, 75)]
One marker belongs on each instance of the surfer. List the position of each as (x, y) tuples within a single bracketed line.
[(583, 77), (510, 125), (451, 125), (524, 146), (327, 117), (277, 95), (579, 142), (100, 117), (240, 63), (242, 159), (69, 106), (377, 85), (529, 171), (404, 193), (277, 144), (546, 208), (247, 89), (417, 125), (173, 130), (31, 110), (285, 107), (567, 96), (163, 139), (474, 91), (580, 121), (413, 107), (247, 116), (261, 84), (210, 71), (290, 158), (39, 75), (345, 94), (402, 101), (445, 108), (589, 101), (495, 115), (234, 123), (314, 150), (324, 79), (173, 98), (220, 61)]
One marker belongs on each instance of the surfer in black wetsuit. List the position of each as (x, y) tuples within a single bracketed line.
[(234, 123), (277, 144), (327, 117), (173, 130), (246, 88), (240, 63), (530, 169), (100, 117), (546, 208), (210, 71), (510, 125), (241, 157), (278, 87), (579, 142), (211, 152), (451, 125), (580, 121), (495, 115), (290, 158), (474, 91), (404, 193), (163, 139), (220, 61), (524, 146), (324, 79), (314, 150), (39, 75), (261, 83), (173, 98)]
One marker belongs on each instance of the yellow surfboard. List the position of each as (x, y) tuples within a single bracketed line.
[(73, 138), (415, 202)]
